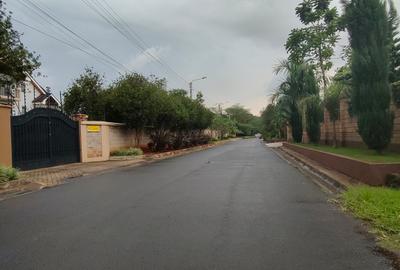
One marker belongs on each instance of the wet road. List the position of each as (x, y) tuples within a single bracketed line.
[(237, 206)]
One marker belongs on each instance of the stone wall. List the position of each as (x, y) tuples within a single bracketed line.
[(346, 128)]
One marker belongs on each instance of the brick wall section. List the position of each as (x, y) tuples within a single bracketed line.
[(346, 128), (368, 173)]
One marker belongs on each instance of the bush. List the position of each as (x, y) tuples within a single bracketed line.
[(8, 174), (313, 116), (376, 128), (393, 180), (128, 152)]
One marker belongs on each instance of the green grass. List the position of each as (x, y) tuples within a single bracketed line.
[(381, 207), (128, 152), (8, 174), (358, 153)]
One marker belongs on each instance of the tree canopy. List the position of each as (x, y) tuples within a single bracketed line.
[(15, 59), (315, 42)]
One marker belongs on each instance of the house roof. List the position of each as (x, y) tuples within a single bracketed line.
[(43, 98), (44, 95), (36, 84)]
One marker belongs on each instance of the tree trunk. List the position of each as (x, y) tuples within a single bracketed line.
[(323, 72)]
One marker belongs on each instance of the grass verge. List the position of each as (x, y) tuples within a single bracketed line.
[(127, 152), (357, 153), (381, 208)]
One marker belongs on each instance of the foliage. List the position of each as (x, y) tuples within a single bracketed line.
[(8, 174), (273, 122), (394, 43), (128, 152), (299, 82), (380, 206), (86, 95), (363, 154), (247, 123), (332, 104), (316, 41), (332, 101), (239, 114), (367, 24), (393, 180), (312, 117), (132, 99), (224, 126), (15, 59)]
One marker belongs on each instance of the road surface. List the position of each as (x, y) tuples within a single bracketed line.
[(237, 206)]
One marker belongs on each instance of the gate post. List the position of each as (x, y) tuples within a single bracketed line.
[(5, 135)]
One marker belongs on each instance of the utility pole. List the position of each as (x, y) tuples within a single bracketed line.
[(191, 85)]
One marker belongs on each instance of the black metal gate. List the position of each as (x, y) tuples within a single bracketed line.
[(44, 137)]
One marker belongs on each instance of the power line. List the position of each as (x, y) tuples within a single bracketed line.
[(112, 18), (37, 7), (102, 60), (51, 23)]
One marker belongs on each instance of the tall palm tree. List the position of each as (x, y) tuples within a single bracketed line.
[(299, 82)]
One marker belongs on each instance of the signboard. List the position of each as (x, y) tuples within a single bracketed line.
[(92, 128)]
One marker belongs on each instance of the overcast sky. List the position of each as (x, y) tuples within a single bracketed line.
[(235, 43)]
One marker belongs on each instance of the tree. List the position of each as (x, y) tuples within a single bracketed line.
[(298, 83), (239, 114), (315, 43), (273, 121), (332, 105), (367, 24), (247, 123), (15, 59), (312, 116), (223, 125), (132, 100), (86, 95)]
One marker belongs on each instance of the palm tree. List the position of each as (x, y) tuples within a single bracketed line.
[(299, 82)]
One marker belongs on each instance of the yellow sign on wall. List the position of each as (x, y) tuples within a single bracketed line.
[(93, 128)]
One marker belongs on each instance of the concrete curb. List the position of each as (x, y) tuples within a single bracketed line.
[(331, 181)]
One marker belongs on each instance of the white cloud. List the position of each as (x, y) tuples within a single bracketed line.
[(148, 56)]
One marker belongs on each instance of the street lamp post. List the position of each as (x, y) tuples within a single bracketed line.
[(191, 85)]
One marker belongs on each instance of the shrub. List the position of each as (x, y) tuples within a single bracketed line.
[(8, 174), (376, 128), (313, 116), (128, 152), (393, 180)]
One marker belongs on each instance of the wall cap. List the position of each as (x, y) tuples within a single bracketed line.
[(101, 123), (5, 106)]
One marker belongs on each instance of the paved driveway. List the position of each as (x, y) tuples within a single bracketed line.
[(237, 206)]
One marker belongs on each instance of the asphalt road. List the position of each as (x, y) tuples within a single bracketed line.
[(237, 206)]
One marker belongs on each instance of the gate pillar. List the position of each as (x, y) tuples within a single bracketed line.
[(5, 135)]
